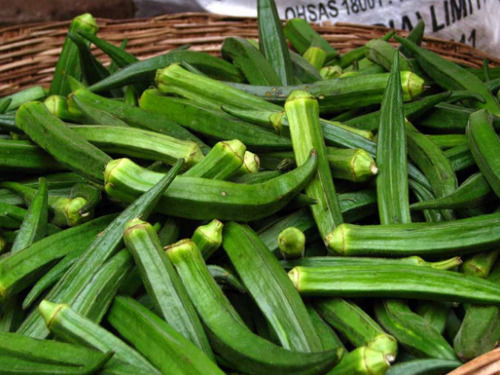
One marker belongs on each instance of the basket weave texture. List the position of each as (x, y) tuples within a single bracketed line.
[(28, 53)]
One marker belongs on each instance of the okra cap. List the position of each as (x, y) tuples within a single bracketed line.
[(49, 310), (336, 240), (412, 85), (291, 242), (85, 22)]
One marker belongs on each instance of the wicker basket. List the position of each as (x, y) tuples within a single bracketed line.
[(28, 54)]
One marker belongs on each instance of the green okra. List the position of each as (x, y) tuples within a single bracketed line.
[(276, 297), (250, 60), (392, 281), (50, 278), (291, 242), (433, 163), (448, 140), (163, 284), (315, 56), (4, 104), (484, 145), (436, 313), (330, 72), (212, 90), (22, 155), (448, 117), (226, 279), (222, 161), (62, 143), (272, 41), (412, 110), (68, 63), (320, 261), (34, 225), (392, 178), (145, 70), (240, 349), (328, 337), (68, 288), (11, 216), (251, 164), (156, 340), (382, 53), (15, 268), (415, 35), (58, 106), (361, 361), (20, 97), (208, 237), (213, 123), (460, 157), (301, 35), (451, 76), (340, 93), (118, 55), (135, 116), (473, 191), (455, 237), (206, 199), (169, 232), (90, 193), (424, 367), (481, 264), (74, 328), (357, 326), (303, 115), (144, 144), (413, 331)]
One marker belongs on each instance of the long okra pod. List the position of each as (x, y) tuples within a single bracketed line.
[(271, 289), (401, 281), (163, 284), (305, 131)]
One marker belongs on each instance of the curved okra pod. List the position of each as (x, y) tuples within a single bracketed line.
[(357, 326), (484, 145), (271, 289), (156, 340), (204, 199), (460, 236), (305, 131), (73, 327), (163, 284), (391, 281), (239, 348), (412, 330)]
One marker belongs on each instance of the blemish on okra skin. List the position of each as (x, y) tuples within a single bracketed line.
[(223, 193)]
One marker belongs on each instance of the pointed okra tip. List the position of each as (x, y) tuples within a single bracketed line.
[(49, 310), (336, 240)]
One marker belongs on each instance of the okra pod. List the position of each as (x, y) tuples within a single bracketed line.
[(436, 313), (27, 95), (226, 279), (455, 237), (328, 337), (448, 140), (21, 155), (205, 199), (382, 53), (92, 114), (481, 264), (392, 179), (271, 289), (241, 349), (58, 106), (291, 242), (361, 361), (305, 131), (390, 281), (162, 345), (460, 157), (424, 367), (117, 54), (162, 283), (355, 165), (315, 56)]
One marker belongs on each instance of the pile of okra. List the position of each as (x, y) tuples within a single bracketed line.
[(282, 209)]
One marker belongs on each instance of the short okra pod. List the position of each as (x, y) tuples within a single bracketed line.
[(291, 242)]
